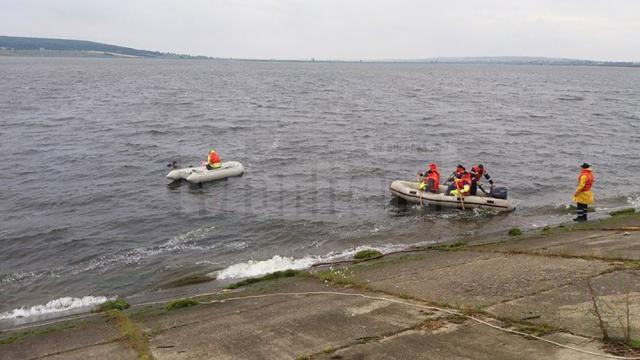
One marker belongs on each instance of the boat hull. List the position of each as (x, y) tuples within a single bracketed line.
[(408, 191), (202, 174)]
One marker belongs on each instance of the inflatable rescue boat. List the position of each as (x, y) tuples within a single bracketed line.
[(408, 191), (202, 174)]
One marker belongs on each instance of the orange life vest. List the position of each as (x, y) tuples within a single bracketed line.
[(435, 176), (462, 181), (589, 182), (478, 171)]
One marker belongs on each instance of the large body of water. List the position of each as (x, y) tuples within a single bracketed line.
[(86, 209)]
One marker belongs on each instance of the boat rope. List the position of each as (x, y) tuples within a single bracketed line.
[(426, 307)]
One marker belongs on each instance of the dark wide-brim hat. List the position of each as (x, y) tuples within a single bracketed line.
[(585, 166)]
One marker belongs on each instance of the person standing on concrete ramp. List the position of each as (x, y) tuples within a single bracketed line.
[(583, 195)]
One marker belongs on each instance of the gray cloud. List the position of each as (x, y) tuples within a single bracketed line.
[(341, 29)]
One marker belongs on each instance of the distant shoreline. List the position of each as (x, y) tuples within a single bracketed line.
[(462, 61), (47, 47), (91, 54)]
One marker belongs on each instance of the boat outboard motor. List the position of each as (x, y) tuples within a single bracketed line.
[(499, 192)]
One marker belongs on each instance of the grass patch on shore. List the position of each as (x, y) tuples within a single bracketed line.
[(272, 276), (329, 351), (118, 304), (14, 337), (180, 303), (337, 276), (136, 338), (536, 329), (622, 219), (626, 211), (367, 254), (450, 246), (515, 232)]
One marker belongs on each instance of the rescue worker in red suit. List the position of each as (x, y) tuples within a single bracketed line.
[(583, 195), (461, 182), (431, 181), (477, 172), (213, 161)]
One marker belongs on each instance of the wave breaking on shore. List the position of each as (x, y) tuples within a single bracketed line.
[(54, 306), (252, 268)]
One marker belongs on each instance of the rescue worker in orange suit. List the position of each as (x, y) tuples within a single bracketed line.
[(461, 182), (477, 172), (583, 195), (213, 161), (431, 181)]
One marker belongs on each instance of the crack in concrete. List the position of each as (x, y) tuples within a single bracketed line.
[(121, 338)]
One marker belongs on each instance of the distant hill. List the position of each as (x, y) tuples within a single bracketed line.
[(60, 47)]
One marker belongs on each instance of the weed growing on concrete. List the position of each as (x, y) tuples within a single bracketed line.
[(329, 350), (180, 303), (118, 304), (134, 336), (338, 276), (536, 329), (601, 323), (367, 254), (453, 246), (625, 346), (515, 232), (626, 211), (19, 336)]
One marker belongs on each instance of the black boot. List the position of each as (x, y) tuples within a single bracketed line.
[(581, 212)]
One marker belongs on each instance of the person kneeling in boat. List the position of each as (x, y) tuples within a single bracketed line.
[(431, 181), (213, 161), (461, 182), (477, 172), (583, 195)]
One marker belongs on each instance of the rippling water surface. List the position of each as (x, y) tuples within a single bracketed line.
[(86, 209)]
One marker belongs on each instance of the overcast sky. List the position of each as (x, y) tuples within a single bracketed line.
[(341, 29)]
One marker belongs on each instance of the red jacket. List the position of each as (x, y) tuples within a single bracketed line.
[(214, 158), (477, 173)]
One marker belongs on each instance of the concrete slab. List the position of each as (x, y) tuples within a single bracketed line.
[(118, 350), (277, 327), (484, 281), (74, 339), (570, 307), (466, 341), (602, 244)]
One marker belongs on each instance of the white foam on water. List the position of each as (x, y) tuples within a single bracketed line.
[(254, 268), (54, 306), (634, 200), (257, 268)]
